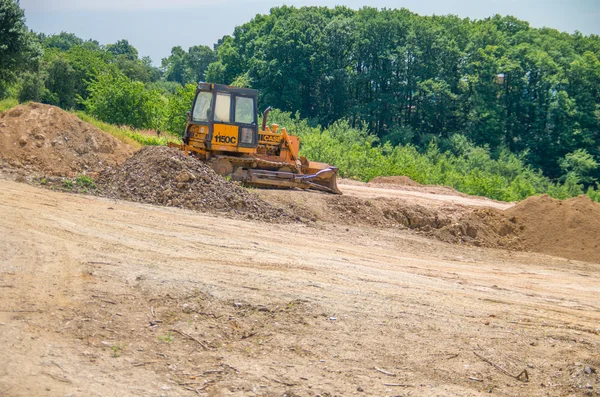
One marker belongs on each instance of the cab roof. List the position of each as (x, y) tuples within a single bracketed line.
[(226, 88)]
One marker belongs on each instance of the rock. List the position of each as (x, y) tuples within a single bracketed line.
[(23, 140), (183, 177)]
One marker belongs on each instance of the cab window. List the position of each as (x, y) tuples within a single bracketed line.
[(244, 110), (202, 107), (222, 107)]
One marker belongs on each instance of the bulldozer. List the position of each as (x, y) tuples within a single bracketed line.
[(222, 130)]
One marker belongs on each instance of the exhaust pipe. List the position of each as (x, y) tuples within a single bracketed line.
[(265, 115)]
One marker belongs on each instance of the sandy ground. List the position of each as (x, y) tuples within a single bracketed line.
[(104, 298), (420, 197)]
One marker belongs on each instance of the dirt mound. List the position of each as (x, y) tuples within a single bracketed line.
[(395, 180), (44, 139), (486, 227), (568, 228), (165, 176)]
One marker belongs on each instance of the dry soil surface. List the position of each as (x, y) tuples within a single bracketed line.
[(422, 194), (100, 297)]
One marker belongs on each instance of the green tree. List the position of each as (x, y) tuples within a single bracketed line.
[(32, 87), (63, 41), (174, 66), (61, 83), (581, 164), (116, 99), (196, 62), (19, 49), (123, 48), (179, 104)]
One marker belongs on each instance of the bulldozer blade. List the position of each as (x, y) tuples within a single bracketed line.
[(323, 180)]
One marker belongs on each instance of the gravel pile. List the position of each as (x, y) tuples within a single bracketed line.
[(165, 176)]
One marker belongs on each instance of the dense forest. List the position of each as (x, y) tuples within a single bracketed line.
[(492, 107)]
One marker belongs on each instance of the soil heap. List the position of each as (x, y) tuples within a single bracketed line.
[(165, 176), (46, 140), (457, 224), (568, 228)]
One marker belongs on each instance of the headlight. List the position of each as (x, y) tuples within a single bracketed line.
[(247, 135)]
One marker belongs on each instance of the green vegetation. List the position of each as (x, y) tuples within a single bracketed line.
[(167, 338), (8, 103), (85, 182), (491, 107), (467, 168), (410, 79), (19, 51), (116, 350), (128, 135)]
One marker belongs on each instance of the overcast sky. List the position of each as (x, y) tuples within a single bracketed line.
[(155, 26)]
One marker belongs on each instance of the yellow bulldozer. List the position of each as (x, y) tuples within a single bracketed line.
[(222, 130)]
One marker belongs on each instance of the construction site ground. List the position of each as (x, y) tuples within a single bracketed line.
[(128, 272), (100, 297)]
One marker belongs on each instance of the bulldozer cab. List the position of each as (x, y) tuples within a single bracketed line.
[(223, 119)]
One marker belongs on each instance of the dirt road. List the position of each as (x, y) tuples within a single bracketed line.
[(430, 199), (101, 298)]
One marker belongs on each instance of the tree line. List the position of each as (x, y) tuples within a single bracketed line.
[(405, 80), (413, 79)]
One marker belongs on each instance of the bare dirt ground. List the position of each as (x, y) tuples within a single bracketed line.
[(420, 195), (100, 297)]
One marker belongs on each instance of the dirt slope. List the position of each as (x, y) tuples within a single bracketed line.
[(101, 297), (44, 139), (568, 228)]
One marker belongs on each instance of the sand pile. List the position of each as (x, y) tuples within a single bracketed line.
[(165, 176), (46, 140), (568, 228)]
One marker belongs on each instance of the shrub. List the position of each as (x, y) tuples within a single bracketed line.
[(116, 99)]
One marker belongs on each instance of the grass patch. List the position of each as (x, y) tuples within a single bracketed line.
[(6, 104), (116, 350), (85, 182), (130, 136), (167, 338)]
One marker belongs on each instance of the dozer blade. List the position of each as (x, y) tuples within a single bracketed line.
[(323, 180)]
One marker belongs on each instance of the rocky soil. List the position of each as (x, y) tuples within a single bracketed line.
[(165, 176)]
